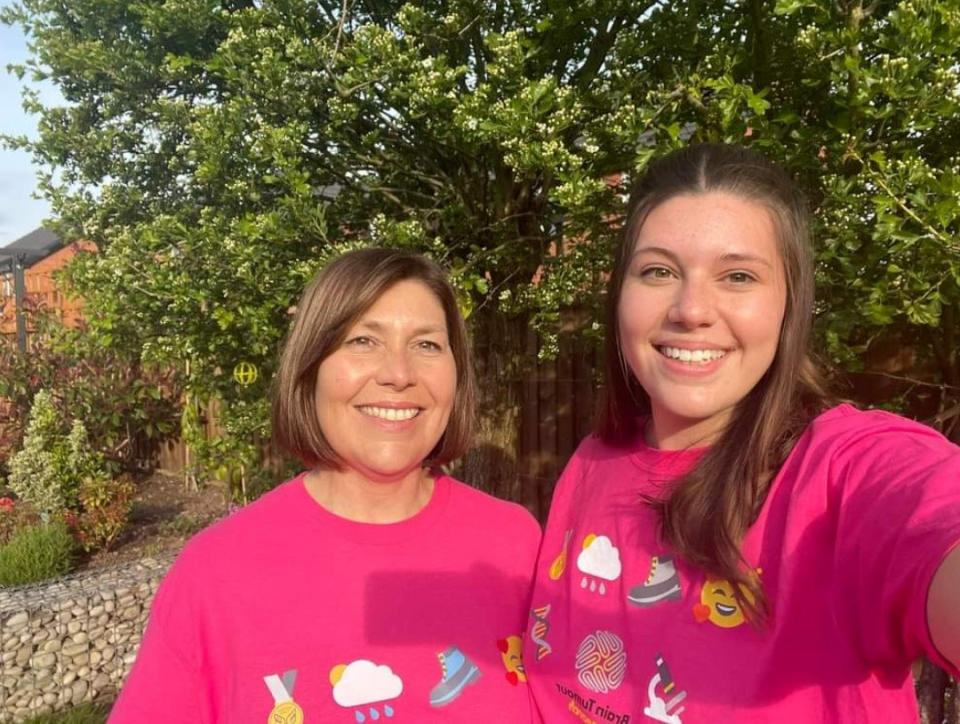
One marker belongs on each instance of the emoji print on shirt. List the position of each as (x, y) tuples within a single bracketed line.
[(285, 709), (661, 686), (360, 683), (510, 650), (601, 662), (598, 559), (662, 584), (719, 606)]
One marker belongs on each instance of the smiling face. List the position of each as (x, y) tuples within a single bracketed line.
[(383, 398), (700, 311), (719, 606)]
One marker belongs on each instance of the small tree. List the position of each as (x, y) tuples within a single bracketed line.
[(34, 469)]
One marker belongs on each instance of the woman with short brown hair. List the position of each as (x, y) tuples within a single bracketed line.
[(373, 585)]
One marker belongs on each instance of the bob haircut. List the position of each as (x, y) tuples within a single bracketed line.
[(709, 510), (332, 303)]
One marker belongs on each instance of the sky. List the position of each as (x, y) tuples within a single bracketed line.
[(19, 212)]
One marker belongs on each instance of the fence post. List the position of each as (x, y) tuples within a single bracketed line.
[(18, 294)]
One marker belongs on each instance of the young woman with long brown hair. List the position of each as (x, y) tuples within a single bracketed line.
[(730, 545)]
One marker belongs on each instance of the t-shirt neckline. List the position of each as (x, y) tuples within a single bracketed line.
[(374, 533)]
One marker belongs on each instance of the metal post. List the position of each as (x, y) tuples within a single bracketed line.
[(18, 292)]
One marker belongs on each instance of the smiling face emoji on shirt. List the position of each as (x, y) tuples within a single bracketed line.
[(718, 604)]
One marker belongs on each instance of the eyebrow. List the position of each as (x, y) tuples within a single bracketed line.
[(375, 326), (727, 258)]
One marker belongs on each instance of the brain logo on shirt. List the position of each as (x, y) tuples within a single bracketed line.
[(601, 662)]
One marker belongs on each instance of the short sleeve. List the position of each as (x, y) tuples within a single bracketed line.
[(165, 683), (897, 497)]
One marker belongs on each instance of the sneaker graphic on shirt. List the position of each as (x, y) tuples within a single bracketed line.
[(663, 697), (458, 671), (361, 683), (598, 559), (662, 584)]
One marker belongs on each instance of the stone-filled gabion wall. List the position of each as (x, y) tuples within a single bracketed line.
[(73, 639)]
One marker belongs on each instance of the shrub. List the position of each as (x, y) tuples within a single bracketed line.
[(105, 509), (15, 515), (36, 554), (128, 408), (34, 474)]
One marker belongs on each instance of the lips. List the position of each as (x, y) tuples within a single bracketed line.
[(392, 414), (694, 356)]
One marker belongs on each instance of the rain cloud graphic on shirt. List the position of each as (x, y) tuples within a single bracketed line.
[(361, 683), (598, 559)]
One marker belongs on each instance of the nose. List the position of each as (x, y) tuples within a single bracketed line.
[(694, 304), (396, 369)]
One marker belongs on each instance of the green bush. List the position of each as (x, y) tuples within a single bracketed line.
[(36, 554), (33, 469), (52, 465), (105, 509)]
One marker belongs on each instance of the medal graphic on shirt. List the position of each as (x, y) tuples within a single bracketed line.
[(285, 709), (599, 562)]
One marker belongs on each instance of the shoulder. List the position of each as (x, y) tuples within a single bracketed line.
[(476, 508), (250, 526), (483, 504), (854, 432)]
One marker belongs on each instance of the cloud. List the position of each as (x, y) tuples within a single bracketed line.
[(363, 682), (600, 559)]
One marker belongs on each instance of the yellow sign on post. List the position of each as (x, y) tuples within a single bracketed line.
[(245, 374)]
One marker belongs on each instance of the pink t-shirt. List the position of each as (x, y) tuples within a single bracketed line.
[(854, 526), (285, 613)]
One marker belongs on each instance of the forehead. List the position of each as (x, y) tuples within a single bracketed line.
[(405, 300), (710, 224)]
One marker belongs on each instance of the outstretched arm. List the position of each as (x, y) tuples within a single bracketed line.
[(943, 607)]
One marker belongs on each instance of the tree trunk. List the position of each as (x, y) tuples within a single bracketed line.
[(932, 684), (492, 463)]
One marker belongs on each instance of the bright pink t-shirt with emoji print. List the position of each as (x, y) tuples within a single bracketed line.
[(284, 613), (855, 524)]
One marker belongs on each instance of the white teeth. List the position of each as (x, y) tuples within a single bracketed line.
[(390, 413), (693, 356)]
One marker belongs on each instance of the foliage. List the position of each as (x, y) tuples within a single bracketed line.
[(15, 515), (49, 470), (35, 470), (89, 713), (123, 403), (36, 554), (105, 507), (218, 152)]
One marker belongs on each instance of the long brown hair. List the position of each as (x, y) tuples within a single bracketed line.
[(336, 298), (709, 510)]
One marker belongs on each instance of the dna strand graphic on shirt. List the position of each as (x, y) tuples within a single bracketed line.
[(601, 662), (539, 630)]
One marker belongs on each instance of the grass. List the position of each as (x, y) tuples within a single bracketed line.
[(36, 554), (90, 713)]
